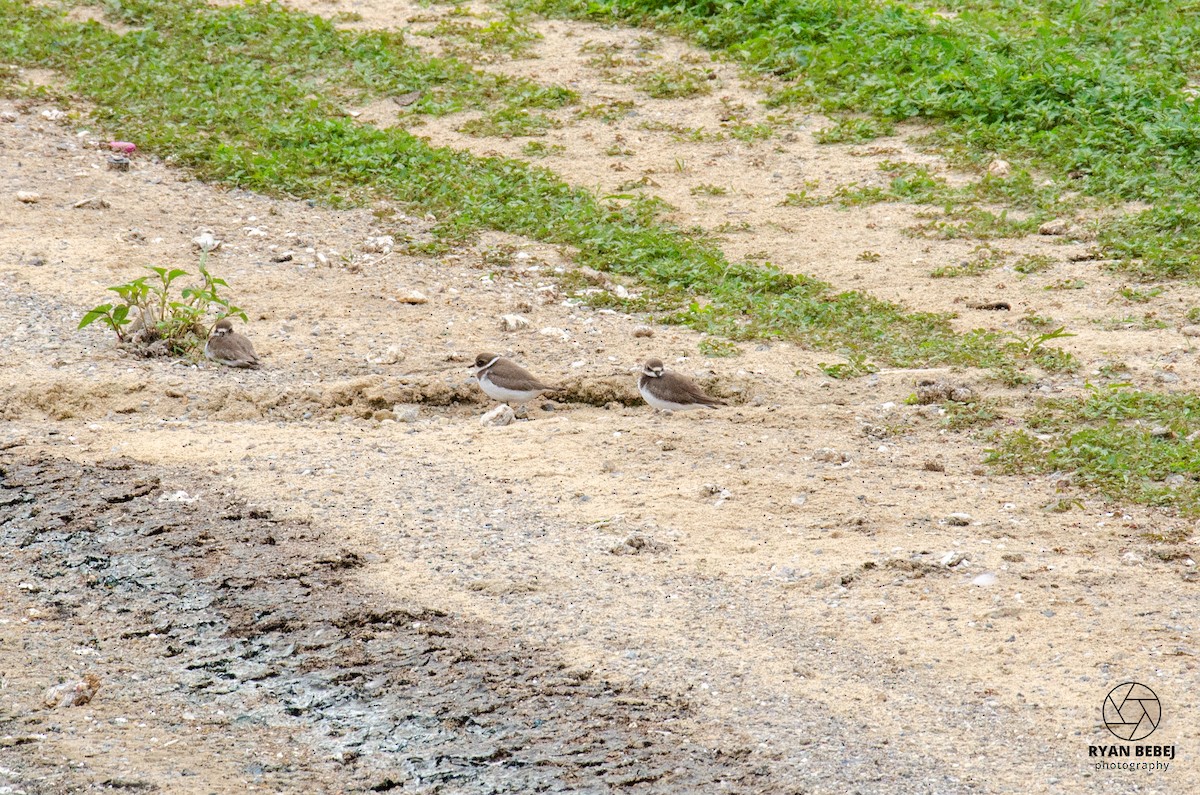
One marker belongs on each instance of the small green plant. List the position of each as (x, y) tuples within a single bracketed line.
[(540, 149), (731, 227), (1148, 321), (982, 260), (855, 195), (1032, 263), (509, 122), (1036, 321), (151, 312), (1067, 284), (619, 150), (709, 190), (1063, 505), (1034, 345), (1135, 296), (853, 130), (805, 197), (750, 133), (960, 416), (608, 112), (673, 82), (855, 366), (718, 348), (869, 256)]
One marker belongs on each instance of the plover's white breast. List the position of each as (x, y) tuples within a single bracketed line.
[(663, 405), (496, 392)]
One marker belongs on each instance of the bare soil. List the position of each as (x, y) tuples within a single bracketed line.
[(327, 576)]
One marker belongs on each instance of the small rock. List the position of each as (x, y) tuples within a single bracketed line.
[(72, 694), (1059, 226), (1175, 480), (951, 559), (92, 203), (382, 244), (206, 241), (390, 355), (119, 162), (498, 417), (1190, 331), (830, 456), (383, 414), (284, 257), (1165, 377), (933, 465), (643, 331), (999, 168), (941, 391), (413, 297), (1132, 558), (53, 114), (959, 519), (1162, 432), (8, 116), (29, 196), (513, 322), (551, 331), (985, 579), (407, 414)]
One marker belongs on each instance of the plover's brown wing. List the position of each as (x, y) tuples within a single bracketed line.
[(680, 389), (232, 350), (510, 375)]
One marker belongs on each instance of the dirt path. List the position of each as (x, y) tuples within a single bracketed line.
[(779, 582)]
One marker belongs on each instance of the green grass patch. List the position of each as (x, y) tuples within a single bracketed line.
[(1126, 444), (672, 81), (507, 38), (253, 96), (1096, 95)]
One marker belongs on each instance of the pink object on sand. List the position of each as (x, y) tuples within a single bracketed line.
[(122, 146)]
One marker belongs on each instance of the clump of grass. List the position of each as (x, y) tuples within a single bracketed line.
[(507, 37), (1135, 296), (510, 122), (718, 348), (805, 197), (542, 149), (1127, 444), (749, 133), (609, 112), (856, 365), (982, 260), (1066, 284), (853, 130), (705, 189), (978, 413), (672, 81), (1033, 263)]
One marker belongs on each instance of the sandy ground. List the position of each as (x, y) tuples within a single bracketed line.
[(784, 571)]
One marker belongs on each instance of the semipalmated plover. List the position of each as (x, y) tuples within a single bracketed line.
[(229, 348), (506, 381), (670, 391)]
